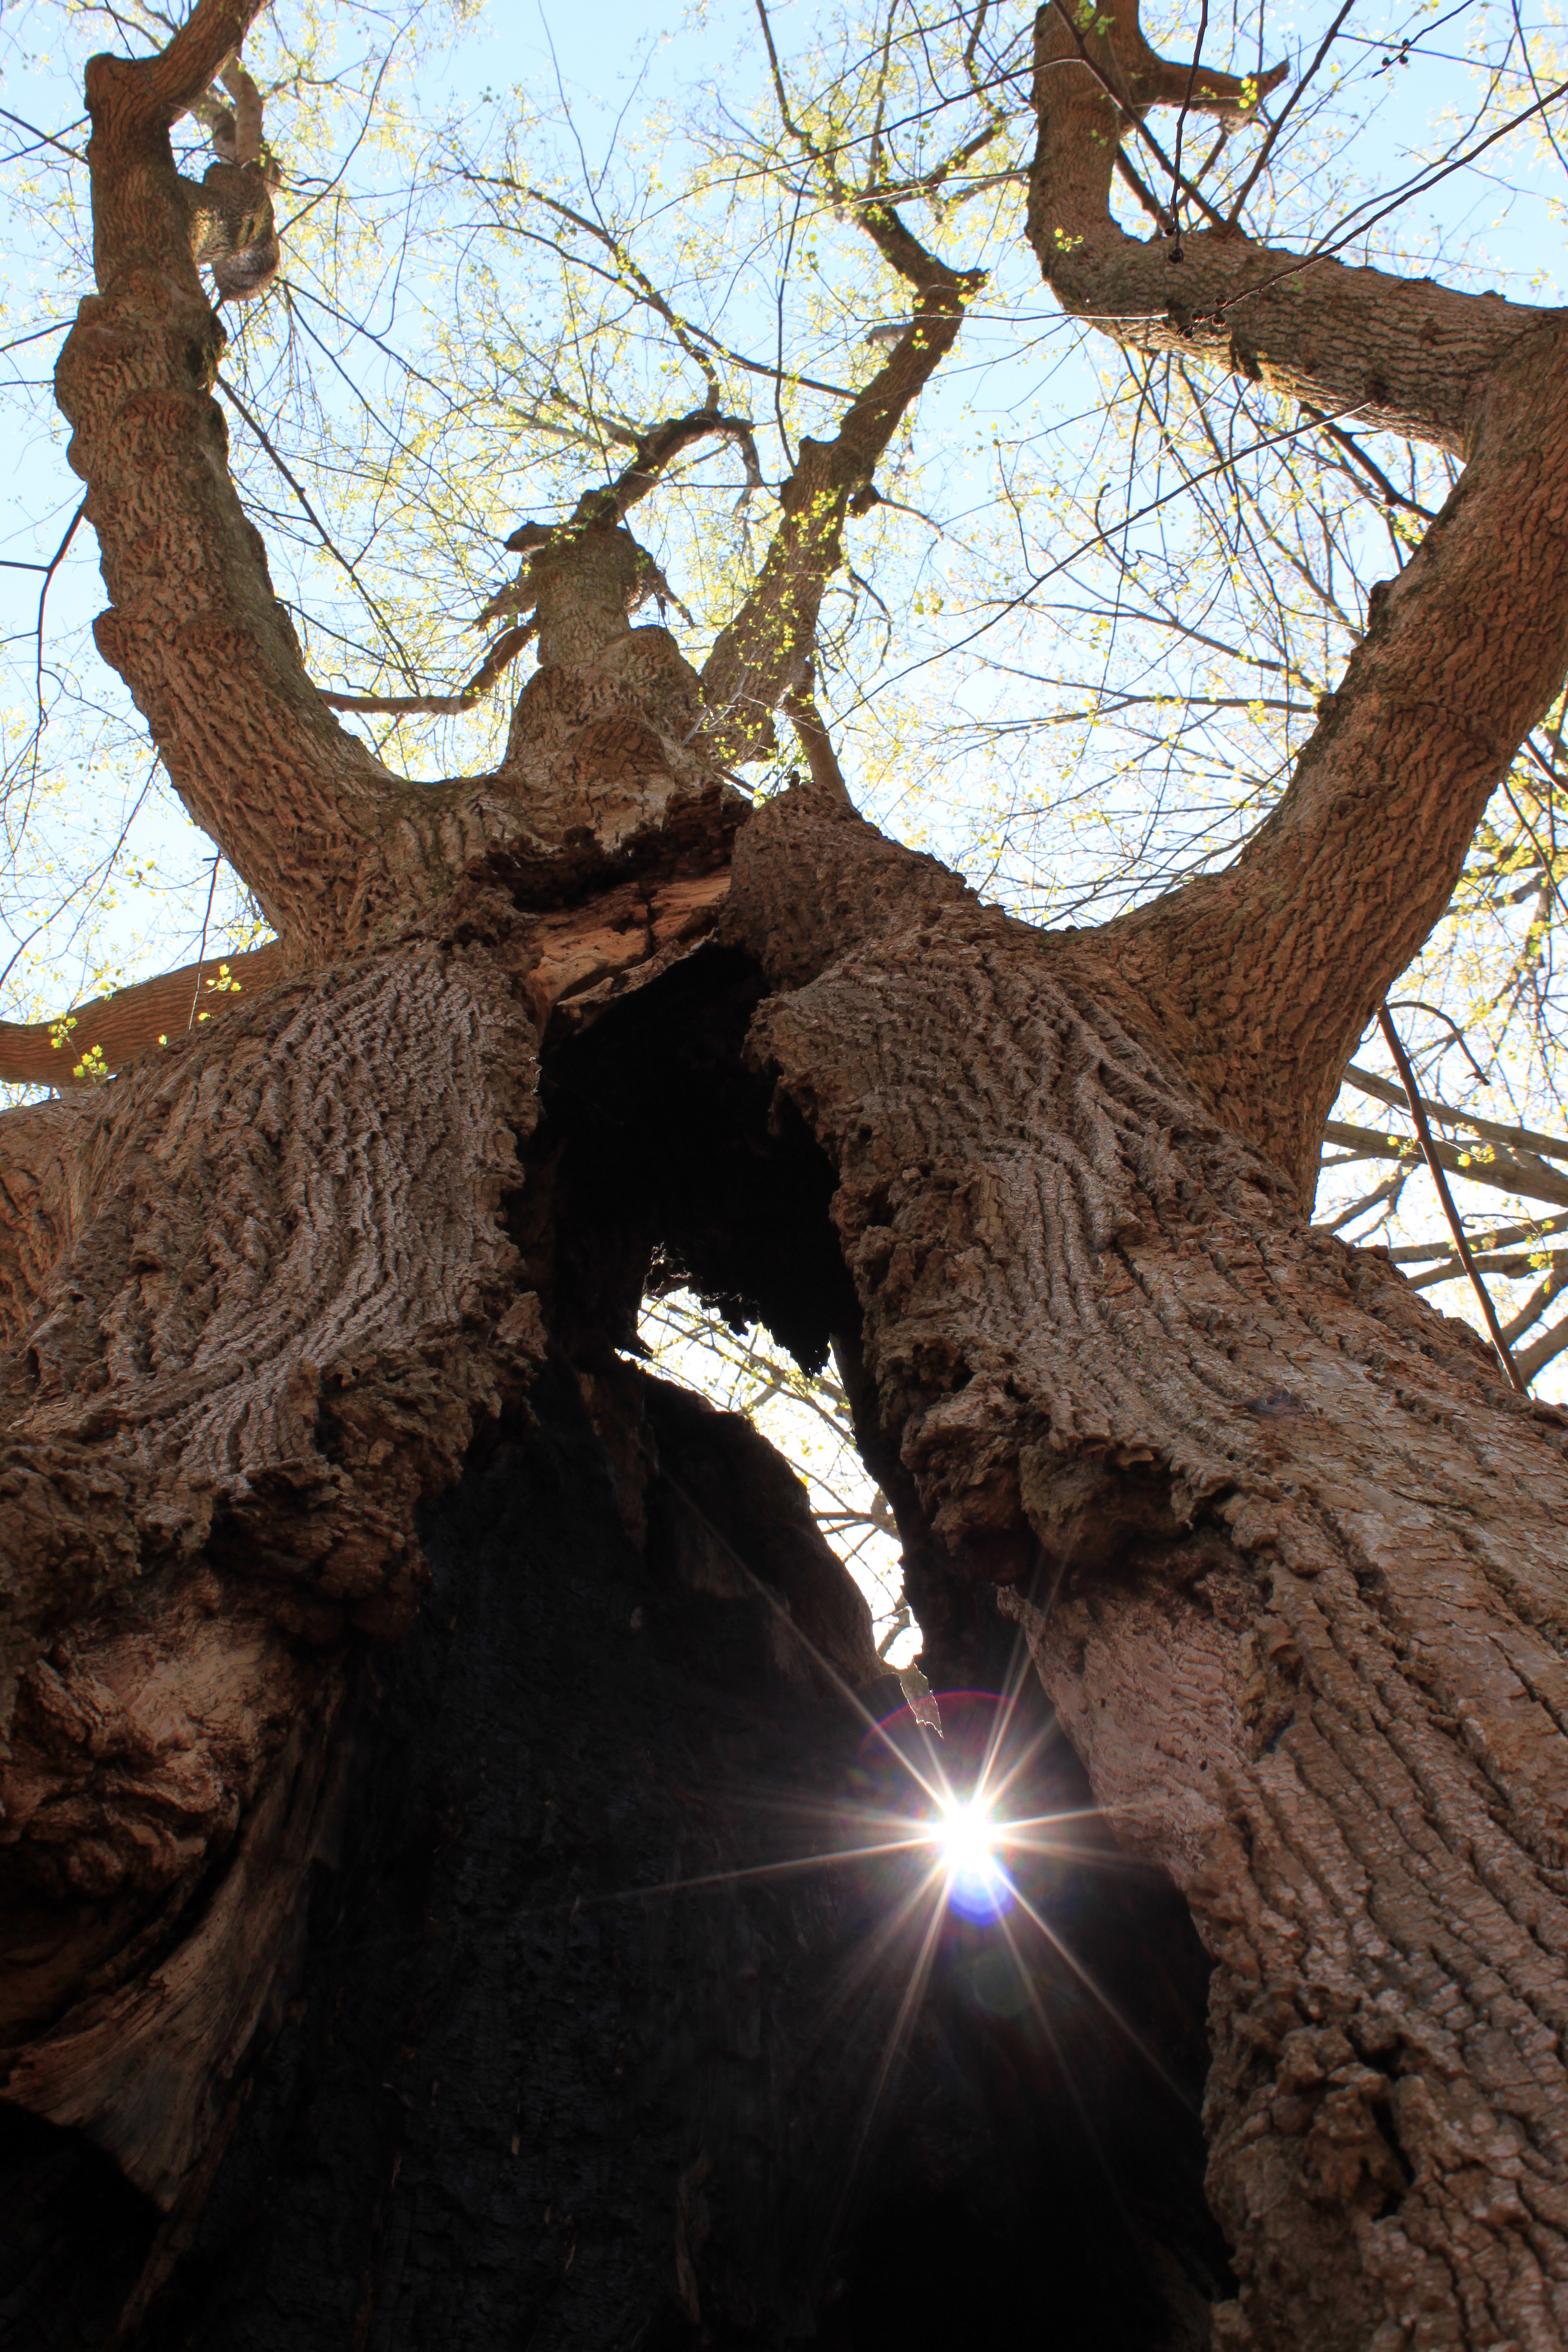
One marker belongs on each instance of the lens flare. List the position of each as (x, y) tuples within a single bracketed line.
[(977, 1883)]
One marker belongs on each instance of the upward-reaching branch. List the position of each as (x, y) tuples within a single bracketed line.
[(764, 659), (1403, 354), (764, 655), (194, 626), (334, 846), (585, 577), (1266, 975)]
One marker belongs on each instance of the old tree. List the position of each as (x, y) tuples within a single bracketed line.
[(379, 1640)]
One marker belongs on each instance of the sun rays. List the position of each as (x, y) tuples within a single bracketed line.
[(967, 1841), (944, 1877)]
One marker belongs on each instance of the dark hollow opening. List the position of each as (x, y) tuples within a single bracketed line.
[(674, 1163), (1035, 2148), (576, 2056)]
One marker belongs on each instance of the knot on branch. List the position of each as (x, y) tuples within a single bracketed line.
[(232, 228), (583, 584)]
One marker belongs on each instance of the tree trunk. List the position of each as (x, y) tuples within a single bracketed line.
[(1288, 1558), (519, 2088), (1288, 1561)]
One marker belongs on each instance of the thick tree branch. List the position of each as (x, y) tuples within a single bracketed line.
[(334, 846), (585, 577), (1407, 355), (1276, 965), (194, 626), (1491, 1131), (657, 448), (1271, 970), (80, 1047), (1529, 1179), (212, 32)]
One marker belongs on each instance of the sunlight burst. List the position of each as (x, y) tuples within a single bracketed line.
[(977, 1883), (967, 1836)]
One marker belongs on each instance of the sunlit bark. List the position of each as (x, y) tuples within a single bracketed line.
[(94, 1040)]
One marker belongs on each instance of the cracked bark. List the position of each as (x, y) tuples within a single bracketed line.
[(370, 1626)]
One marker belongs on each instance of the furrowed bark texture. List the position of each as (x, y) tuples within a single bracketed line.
[(259, 1301), (284, 1850), (260, 1296), (1289, 1559), (271, 1325)]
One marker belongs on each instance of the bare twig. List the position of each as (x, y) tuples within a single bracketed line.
[(201, 951), (504, 651), (1417, 1112)]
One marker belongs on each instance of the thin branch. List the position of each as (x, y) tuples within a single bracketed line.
[(1274, 128), (55, 562), (500, 655), (1181, 125), (1510, 1262), (1402, 1063), (201, 951), (816, 743), (1514, 1139), (1533, 1180), (325, 536), (1146, 197), (1391, 496), (1536, 1229), (1388, 1190), (1550, 1344)]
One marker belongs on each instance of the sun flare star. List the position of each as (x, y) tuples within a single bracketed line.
[(967, 1837), (967, 1840)]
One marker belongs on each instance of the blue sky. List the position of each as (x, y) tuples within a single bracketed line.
[(612, 69)]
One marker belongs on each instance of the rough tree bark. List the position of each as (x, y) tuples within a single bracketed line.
[(378, 1642)]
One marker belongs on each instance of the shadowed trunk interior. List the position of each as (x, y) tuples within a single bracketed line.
[(600, 2040)]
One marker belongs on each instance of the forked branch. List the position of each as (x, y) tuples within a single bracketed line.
[(583, 579), (1270, 972)]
